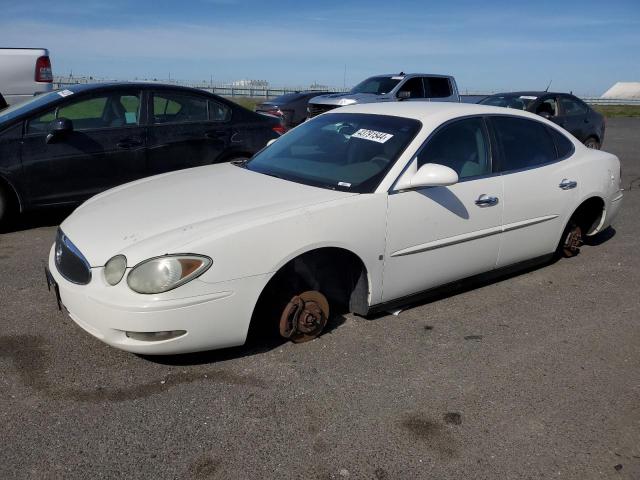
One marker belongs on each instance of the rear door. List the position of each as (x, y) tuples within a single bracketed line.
[(106, 148), (574, 117), (186, 130), (538, 188)]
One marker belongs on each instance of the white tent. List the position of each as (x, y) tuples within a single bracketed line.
[(623, 90)]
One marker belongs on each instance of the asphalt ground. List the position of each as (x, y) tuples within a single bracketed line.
[(532, 376)]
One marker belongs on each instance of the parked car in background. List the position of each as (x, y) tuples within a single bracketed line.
[(65, 146), (565, 109), (24, 72), (405, 195), (292, 107), (390, 88)]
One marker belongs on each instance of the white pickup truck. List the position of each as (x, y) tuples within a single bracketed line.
[(24, 72)]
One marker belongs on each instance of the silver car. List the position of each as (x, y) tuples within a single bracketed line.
[(390, 88)]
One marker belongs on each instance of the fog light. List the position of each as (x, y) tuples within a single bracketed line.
[(155, 336)]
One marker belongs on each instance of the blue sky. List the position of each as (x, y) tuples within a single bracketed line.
[(583, 46)]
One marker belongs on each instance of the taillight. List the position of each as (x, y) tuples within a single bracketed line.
[(279, 129), (43, 70)]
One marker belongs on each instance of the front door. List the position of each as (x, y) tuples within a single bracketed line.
[(106, 148), (437, 235)]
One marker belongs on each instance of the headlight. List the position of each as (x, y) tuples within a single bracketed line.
[(162, 274), (114, 269)]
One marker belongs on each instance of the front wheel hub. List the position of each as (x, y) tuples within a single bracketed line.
[(304, 317), (573, 242)]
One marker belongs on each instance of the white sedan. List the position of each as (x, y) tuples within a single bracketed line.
[(360, 209)]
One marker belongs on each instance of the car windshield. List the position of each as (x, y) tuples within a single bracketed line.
[(15, 111), (519, 102), (377, 85), (340, 151)]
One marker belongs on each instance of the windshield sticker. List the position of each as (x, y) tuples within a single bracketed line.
[(344, 184), (65, 93), (372, 135), (527, 97)]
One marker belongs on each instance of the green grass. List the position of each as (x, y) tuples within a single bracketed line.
[(610, 111), (247, 102)]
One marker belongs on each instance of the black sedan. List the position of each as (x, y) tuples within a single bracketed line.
[(565, 109), (64, 147), (291, 107)]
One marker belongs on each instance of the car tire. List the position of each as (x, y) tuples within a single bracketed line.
[(593, 143), (5, 207)]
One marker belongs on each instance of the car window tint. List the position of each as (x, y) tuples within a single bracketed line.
[(572, 107), (549, 106), (218, 112), (524, 143), (414, 87), (462, 146), (178, 108), (110, 110), (564, 147), (437, 87)]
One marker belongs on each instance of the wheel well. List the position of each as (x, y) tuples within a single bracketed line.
[(13, 197), (589, 214), (336, 272)]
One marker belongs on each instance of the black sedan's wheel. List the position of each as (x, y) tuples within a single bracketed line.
[(592, 143), (4, 206)]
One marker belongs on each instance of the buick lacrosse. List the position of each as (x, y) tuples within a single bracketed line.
[(357, 210)]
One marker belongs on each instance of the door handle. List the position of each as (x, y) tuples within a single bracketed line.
[(485, 200), (129, 143), (566, 184)]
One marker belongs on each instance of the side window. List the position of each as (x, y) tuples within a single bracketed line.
[(179, 108), (549, 106), (414, 87), (462, 146), (564, 147), (572, 107), (525, 143), (437, 87), (117, 109), (219, 112)]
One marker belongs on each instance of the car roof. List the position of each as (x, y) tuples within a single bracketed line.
[(88, 87), (529, 93), (433, 112), (409, 75)]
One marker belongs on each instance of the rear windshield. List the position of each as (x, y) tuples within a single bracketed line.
[(15, 111), (339, 151), (519, 102), (377, 85)]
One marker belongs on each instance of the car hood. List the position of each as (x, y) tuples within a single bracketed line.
[(343, 99), (162, 214)]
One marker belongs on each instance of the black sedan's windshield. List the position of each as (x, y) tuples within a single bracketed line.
[(520, 102), (15, 111), (340, 151), (376, 85)]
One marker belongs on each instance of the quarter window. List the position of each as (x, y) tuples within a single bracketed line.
[(524, 143), (564, 147), (462, 146), (218, 112), (103, 111), (178, 108)]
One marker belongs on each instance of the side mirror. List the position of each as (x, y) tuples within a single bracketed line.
[(432, 175), (403, 94), (59, 128)]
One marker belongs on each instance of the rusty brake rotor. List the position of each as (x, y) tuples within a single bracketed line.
[(304, 317)]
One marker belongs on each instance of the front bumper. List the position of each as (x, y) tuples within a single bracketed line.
[(214, 315)]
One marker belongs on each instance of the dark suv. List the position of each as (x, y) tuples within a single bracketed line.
[(565, 109)]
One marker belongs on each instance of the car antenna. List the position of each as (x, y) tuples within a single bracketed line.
[(547, 89)]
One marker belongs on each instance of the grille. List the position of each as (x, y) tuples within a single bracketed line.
[(70, 262), (316, 109)]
